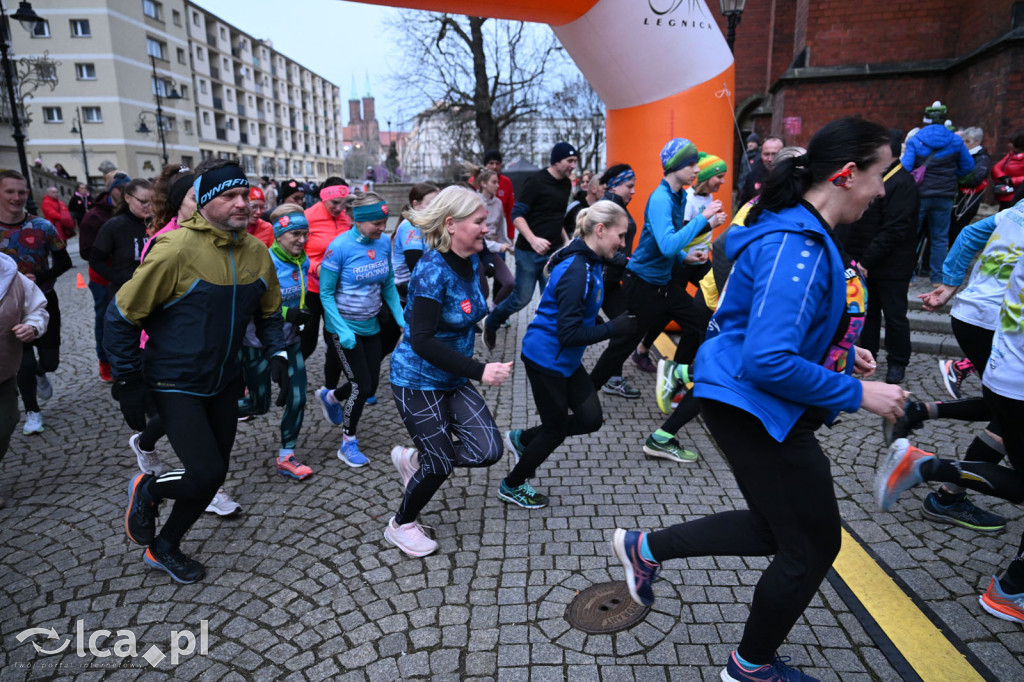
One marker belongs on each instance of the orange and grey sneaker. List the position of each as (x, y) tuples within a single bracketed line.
[(173, 562), (293, 468), (1002, 605), (900, 471)]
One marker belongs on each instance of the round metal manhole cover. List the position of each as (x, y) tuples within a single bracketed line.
[(604, 608)]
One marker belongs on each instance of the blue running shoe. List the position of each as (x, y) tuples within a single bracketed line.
[(900, 471), (640, 572), (372, 400), (349, 454), (514, 443), (332, 411), (776, 671)]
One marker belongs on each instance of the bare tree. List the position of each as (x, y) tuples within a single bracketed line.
[(482, 73), (579, 117)]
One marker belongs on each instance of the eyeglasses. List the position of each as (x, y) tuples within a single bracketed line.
[(147, 202)]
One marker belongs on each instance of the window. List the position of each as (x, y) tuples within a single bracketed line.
[(41, 29), (153, 9), (230, 124), (223, 34), (186, 161), (155, 48), (188, 127), (92, 115), (184, 91), (206, 118), (80, 28), (52, 115), (167, 123), (195, 18), (229, 94), (199, 54), (249, 164), (176, 17), (181, 55), (85, 72), (162, 86), (297, 167), (202, 87)]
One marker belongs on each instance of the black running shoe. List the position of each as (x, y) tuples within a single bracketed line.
[(175, 564), (490, 337), (914, 414), (140, 519)]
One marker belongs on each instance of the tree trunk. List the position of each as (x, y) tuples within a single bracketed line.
[(487, 128)]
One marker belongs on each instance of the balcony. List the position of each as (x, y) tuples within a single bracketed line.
[(211, 39), (222, 134), (241, 109), (261, 116), (218, 103), (215, 71), (259, 89), (263, 141), (243, 138)]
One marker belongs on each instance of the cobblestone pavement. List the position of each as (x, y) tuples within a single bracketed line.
[(302, 584)]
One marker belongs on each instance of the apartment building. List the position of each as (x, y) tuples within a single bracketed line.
[(224, 93)]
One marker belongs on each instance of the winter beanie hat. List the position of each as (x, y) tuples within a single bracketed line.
[(710, 166), (678, 153), (562, 150), (936, 113)]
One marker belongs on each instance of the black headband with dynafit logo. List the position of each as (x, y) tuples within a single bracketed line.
[(213, 183)]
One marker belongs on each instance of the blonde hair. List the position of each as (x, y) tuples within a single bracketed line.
[(284, 209), (367, 199), (603, 212), (453, 202)]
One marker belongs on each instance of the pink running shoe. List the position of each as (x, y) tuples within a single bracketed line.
[(406, 461)]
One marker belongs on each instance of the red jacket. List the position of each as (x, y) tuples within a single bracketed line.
[(322, 231), (56, 211), (263, 231), (508, 198)]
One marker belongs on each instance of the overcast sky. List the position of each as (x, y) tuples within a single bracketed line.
[(337, 40)]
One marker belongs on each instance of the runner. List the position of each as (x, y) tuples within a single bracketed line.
[(356, 281), (563, 327), (407, 243), (42, 257), (620, 186), (498, 244), (1003, 390), (776, 366), (290, 229), (327, 219), (118, 246), (447, 419), (218, 278), (258, 227)]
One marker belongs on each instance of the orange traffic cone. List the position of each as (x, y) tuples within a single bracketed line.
[(80, 283)]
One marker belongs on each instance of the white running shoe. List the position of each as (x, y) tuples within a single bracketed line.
[(223, 505), (44, 389), (149, 461), (33, 423), (406, 461), (410, 538)]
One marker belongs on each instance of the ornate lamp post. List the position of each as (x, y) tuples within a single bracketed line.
[(27, 17), (76, 128), (732, 10)]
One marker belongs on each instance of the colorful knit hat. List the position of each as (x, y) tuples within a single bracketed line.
[(678, 153), (936, 113), (710, 166)]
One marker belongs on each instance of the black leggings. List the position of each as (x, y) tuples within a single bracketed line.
[(555, 396), (435, 419), (48, 348), (652, 304), (791, 513), (308, 337), (201, 431), (361, 365)]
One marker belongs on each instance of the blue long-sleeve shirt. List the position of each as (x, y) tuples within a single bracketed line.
[(665, 234)]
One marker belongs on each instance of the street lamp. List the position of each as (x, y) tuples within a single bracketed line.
[(27, 17), (733, 11), (143, 129), (77, 128)]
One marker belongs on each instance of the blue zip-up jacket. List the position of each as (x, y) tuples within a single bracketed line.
[(775, 323), (950, 162), (564, 325), (194, 294), (664, 235)]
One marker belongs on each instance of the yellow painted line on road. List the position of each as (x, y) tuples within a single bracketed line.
[(923, 645), (932, 656)]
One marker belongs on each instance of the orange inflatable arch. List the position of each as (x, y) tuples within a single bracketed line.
[(662, 68)]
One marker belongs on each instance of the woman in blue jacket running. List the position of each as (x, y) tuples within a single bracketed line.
[(563, 327), (777, 364)]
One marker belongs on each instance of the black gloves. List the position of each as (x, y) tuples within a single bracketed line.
[(130, 391), (279, 375), (297, 316), (624, 325)]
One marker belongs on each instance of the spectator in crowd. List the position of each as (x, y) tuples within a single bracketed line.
[(760, 168), (493, 160), (750, 154), (945, 158), (56, 211), (973, 186), (80, 203), (59, 171), (1008, 173)]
